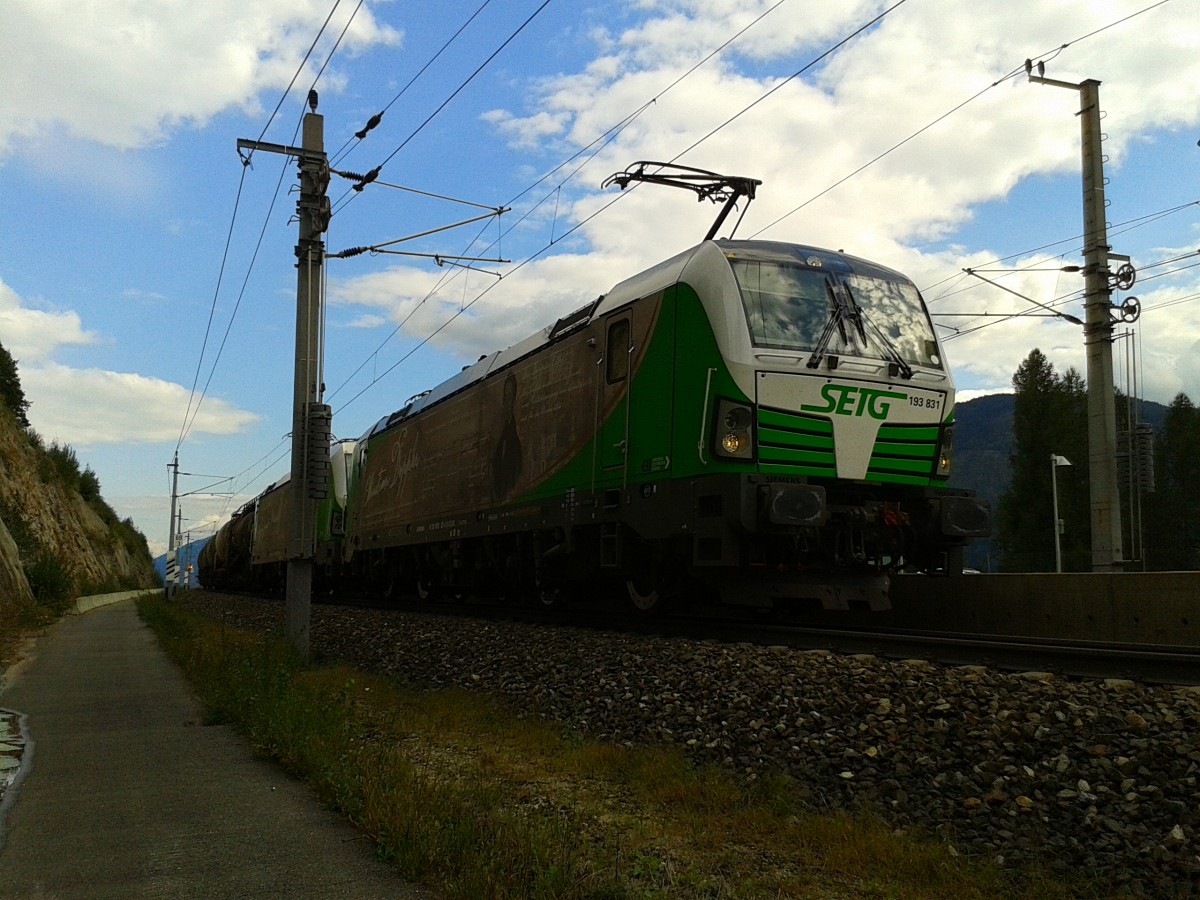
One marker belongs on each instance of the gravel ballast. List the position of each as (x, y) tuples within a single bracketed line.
[(1084, 776)]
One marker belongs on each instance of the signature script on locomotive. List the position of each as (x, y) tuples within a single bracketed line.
[(403, 457)]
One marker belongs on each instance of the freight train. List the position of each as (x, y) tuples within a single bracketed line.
[(762, 422)]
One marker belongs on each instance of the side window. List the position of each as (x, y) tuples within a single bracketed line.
[(617, 365)]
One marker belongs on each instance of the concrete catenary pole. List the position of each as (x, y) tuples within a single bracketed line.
[(172, 566), (1107, 536), (310, 257), (312, 209)]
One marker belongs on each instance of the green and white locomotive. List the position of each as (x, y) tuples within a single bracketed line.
[(763, 421), (769, 420)]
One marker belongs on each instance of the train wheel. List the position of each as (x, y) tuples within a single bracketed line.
[(381, 580), (648, 579), (644, 596), (547, 594), (430, 589)]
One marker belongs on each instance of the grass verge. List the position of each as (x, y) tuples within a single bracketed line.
[(19, 619), (477, 803)]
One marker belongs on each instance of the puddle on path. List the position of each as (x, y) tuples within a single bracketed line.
[(12, 749)]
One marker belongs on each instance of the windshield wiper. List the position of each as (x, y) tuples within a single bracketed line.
[(837, 322), (890, 351)]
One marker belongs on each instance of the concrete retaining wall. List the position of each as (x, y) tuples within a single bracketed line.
[(1130, 607), (85, 604)]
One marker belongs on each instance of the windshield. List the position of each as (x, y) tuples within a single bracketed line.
[(895, 308), (788, 306)]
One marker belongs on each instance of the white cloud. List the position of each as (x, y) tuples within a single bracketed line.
[(369, 320), (507, 313), (527, 132), (146, 296), (123, 72), (32, 335), (85, 407), (922, 61), (964, 396), (203, 513)]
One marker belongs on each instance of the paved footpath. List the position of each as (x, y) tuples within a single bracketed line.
[(122, 792)]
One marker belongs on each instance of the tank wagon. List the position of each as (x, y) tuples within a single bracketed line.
[(769, 421)]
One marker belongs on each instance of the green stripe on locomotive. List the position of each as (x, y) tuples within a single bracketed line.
[(803, 444), (667, 396), (673, 398), (330, 527)]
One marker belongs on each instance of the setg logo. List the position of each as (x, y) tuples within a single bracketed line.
[(844, 400)]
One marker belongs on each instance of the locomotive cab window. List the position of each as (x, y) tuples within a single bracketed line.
[(617, 364), (786, 306), (789, 306)]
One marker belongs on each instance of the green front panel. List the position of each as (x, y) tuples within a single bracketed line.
[(910, 433), (904, 454), (787, 439), (884, 448), (667, 404), (645, 413), (652, 400), (797, 444), (614, 440), (328, 511), (780, 419)]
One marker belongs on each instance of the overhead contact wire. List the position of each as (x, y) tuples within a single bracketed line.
[(374, 121), (211, 312), (190, 414), (604, 139), (299, 69), (343, 202), (1016, 71)]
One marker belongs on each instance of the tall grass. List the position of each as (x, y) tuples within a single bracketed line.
[(459, 834), (477, 803)]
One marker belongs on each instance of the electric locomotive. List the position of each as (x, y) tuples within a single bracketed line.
[(761, 421), (767, 420)]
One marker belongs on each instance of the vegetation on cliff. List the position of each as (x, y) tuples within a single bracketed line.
[(11, 394), (59, 538)]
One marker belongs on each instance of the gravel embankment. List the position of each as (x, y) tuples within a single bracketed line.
[(1082, 775)]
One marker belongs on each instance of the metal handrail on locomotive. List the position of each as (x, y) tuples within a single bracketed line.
[(764, 422)]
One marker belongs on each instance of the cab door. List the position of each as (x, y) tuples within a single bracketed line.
[(613, 396)]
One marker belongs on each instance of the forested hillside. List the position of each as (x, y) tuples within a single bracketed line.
[(1003, 447)]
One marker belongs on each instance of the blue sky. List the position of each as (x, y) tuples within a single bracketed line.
[(119, 176)]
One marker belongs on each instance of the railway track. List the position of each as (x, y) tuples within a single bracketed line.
[(1150, 664), (1145, 663)]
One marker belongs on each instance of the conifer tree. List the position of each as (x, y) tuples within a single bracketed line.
[(1049, 417), (1172, 522), (11, 394)]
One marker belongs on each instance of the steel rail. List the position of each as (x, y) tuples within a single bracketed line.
[(1150, 664)]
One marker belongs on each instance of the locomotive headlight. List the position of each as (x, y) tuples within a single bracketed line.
[(945, 452), (734, 442), (734, 437)]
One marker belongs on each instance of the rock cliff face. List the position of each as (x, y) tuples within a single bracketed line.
[(53, 541), (13, 584)]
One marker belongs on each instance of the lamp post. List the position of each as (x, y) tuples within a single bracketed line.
[(1055, 462)]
